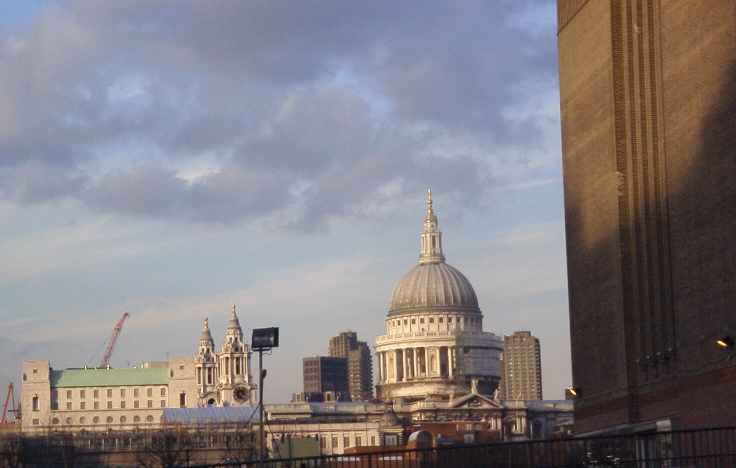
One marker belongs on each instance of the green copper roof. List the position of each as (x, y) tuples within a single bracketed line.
[(109, 377)]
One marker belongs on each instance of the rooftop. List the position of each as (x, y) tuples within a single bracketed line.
[(109, 377)]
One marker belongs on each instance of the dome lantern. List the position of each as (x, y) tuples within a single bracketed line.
[(431, 238)]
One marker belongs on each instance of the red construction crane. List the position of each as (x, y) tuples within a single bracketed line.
[(113, 338), (8, 398)]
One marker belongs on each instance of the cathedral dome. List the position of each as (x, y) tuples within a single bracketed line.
[(433, 284)]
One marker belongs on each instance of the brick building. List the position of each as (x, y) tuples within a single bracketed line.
[(648, 102), (521, 367)]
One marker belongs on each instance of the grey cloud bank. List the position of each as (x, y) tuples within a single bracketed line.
[(305, 110)]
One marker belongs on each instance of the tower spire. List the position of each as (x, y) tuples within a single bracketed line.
[(431, 237)]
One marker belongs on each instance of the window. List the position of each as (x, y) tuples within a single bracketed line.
[(135, 393), (441, 319), (82, 405), (150, 403), (431, 320), (357, 441), (82, 420), (109, 405), (345, 441), (97, 405), (68, 405), (163, 391), (68, 394), (68, 421), (334, 442), (35, 403), (136, 419), (163, 403), (95, 393), (122, 419), (181, 367), (421, 320), (82, 394), (149, 392), (55, 421), (149, 418), (323, 443), (109, 392), (109, 420), (449, 319), (136, 404), (35, 371), (182, 400), (373, 440), (413, 321), (122, 404), (122, 393), (35, 422)]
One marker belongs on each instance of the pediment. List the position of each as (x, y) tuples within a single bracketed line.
[(475, 401)]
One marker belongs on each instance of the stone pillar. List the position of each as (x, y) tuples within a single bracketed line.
[(417, 370), (403, 365), (397, 363), (451, 361)]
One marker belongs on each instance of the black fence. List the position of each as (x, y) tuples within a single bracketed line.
[(705, 448)]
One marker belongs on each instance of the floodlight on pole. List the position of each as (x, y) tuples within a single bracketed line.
[(264, 339)]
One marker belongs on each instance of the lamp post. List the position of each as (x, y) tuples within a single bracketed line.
[(264, 339)]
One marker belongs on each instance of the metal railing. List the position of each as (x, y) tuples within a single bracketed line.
[(714, 447), (706, 448)]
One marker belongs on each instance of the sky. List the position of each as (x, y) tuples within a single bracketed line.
[(169, 159)]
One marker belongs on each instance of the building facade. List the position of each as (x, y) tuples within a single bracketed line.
[(360, 364), (434, 344), (522, 367), (327, 376), (129, 398), (648, 99)]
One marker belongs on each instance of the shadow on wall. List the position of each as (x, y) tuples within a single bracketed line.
[(702, 245)]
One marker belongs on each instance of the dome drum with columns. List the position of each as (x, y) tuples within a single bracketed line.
[(434, 345)]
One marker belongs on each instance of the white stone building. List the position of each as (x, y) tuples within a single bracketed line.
[(118, 399), (434, 345)]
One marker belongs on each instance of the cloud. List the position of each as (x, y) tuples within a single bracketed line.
[(306, 110)]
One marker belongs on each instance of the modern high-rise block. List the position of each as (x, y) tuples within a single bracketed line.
[(521, 377), (324, 374), (360, 364), (648, 107)]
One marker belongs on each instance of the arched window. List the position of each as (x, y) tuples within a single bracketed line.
[(35, 403), (96, 420), (109, 419), (136, 419), (149, 418), (82, 420), (69, 421), (123, 419), (55, 421)]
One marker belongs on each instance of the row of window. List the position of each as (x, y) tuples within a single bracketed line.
[(97, 420), (334, 442), (109, 392), (459, 320), (96, 405)]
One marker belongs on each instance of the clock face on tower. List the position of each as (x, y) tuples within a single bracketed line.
[(240, 394)]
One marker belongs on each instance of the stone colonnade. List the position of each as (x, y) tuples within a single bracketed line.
[(405, 364)]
